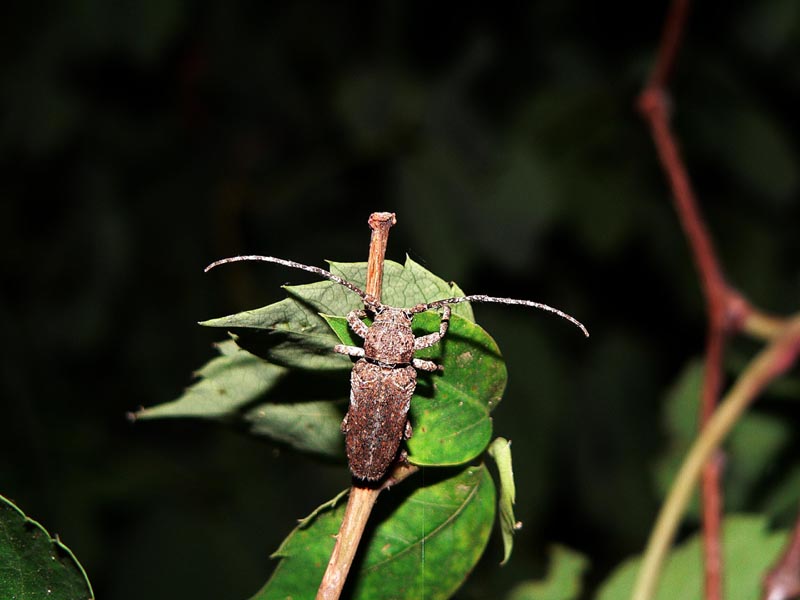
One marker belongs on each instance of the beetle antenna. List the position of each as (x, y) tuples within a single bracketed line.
[(368, 300), (482, 298)]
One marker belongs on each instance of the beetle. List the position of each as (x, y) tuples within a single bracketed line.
[(384, 376)]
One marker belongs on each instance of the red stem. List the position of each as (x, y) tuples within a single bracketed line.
[(653, 105), (671, 35)]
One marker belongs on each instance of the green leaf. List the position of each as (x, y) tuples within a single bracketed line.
[(405, 285), (500, 451), (378, 107), (226, 384), (424, 549), (34, 565), (748, 551), (236, 386), (454, 426), (450, 410), (753, 447), (680, 424), (782, 498), (307, 426), (291, 333), (563, 581), (759, 151), (519, 174)]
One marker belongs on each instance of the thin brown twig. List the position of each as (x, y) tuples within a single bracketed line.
[(361, 499), (380, 223)]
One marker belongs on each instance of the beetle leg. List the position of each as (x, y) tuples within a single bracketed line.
[(349, 350), (426, 341), (356, 324), (426, 365)]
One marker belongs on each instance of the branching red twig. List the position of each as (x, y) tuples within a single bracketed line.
[(654, 106), (728, 312)]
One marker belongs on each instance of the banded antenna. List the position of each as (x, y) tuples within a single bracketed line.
[(482, 298), (373, 304), (370, 301)]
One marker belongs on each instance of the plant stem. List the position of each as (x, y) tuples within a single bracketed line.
[(380, 223), (783, 580), (361, 499), (771, 362), (653, 104)]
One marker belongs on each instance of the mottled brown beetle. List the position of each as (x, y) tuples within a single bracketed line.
[(384, 377)]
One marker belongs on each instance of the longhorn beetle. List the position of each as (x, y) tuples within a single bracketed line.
[(384, 377)]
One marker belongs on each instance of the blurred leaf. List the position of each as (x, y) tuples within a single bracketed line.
[(525, 201), (680, 425), (752, 448), (563, 581), (33, 565), (781, 500), (450, 189), (410, 554), (433, 186), (500, 451), (748, 551), (378, 107), (603, 231), (41, 115), (610, 458), (138, 30), (767, 28), (755, 149), (786, 388), (585, 178), (127, 20)]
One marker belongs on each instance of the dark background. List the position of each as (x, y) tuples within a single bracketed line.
[(141, 140)]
